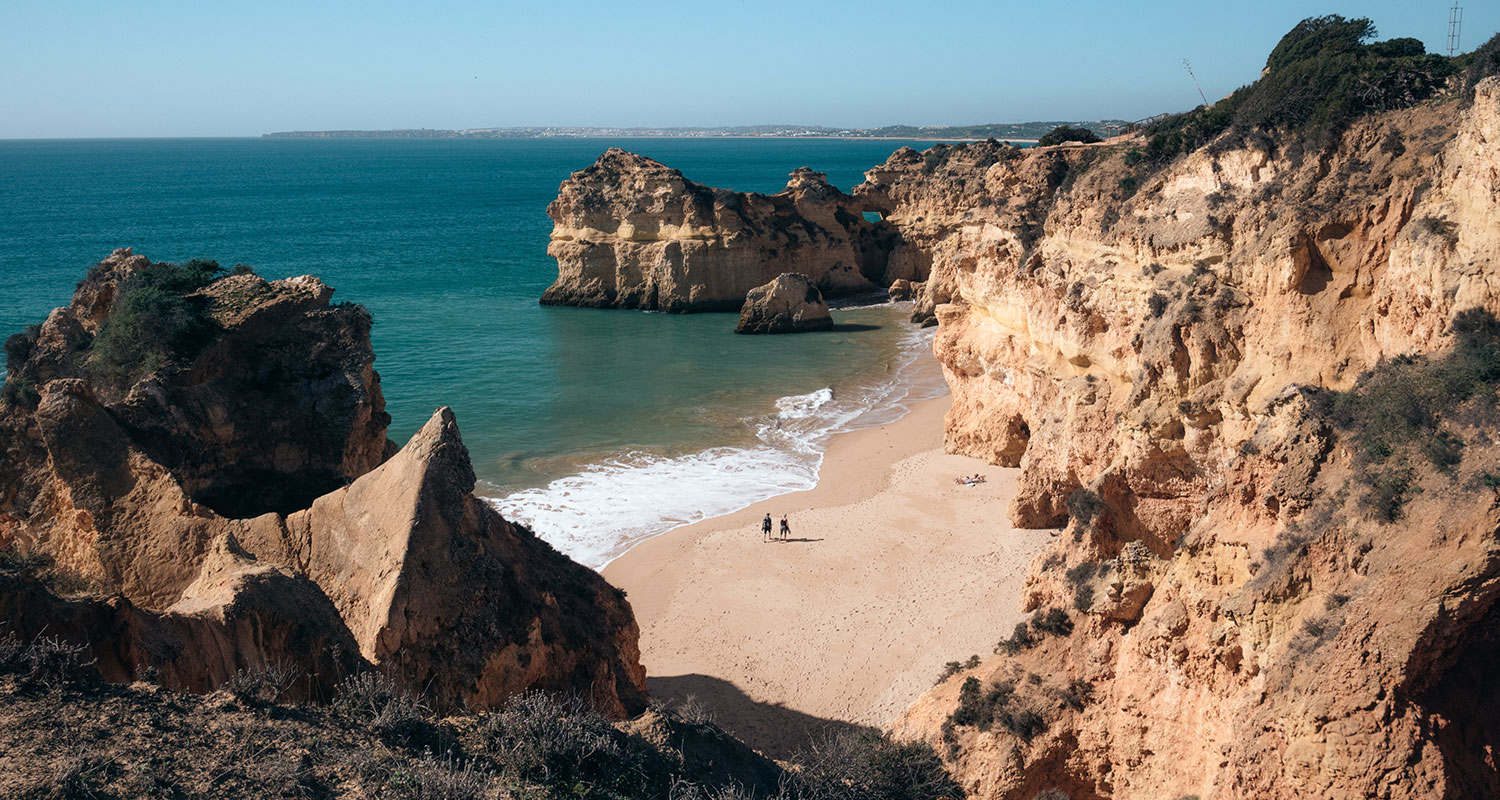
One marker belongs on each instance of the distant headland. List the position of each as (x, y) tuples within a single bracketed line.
[(1015, 132)]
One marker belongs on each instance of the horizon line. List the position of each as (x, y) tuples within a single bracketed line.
[(830, 130)]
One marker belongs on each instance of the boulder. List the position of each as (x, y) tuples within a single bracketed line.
[(903, 289), (788, 304)]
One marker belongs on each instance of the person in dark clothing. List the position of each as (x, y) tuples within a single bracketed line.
[(786, 529), (765, 529)]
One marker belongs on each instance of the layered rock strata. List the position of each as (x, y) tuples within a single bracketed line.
[(115, 481), (789, 304), (1231, 618), (630, 232)]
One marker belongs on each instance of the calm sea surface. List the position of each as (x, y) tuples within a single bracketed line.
[(600, 428)]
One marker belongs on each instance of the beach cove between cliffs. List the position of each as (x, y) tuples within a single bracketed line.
[(892, 569)]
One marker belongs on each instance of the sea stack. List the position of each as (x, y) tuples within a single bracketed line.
[(788, 304), (630, 232)]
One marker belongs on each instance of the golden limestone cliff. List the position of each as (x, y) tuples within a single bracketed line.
[(1277, 577), (630, 232), (202, 461)]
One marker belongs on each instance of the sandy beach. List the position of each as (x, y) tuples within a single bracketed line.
[(892, 569)]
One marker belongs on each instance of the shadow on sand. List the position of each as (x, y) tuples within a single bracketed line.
[(771, 728)]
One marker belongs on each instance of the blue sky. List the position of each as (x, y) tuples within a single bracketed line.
[(70, 68)]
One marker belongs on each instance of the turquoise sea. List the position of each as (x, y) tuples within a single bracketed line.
[(600, 428)]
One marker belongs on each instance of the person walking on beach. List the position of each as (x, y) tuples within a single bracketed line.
[(765, 528), (786, 529)]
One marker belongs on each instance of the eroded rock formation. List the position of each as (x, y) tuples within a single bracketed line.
[(788, 304), (125, 474), (630, 232), (1235, 620)]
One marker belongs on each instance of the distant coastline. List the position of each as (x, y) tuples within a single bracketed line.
[(1013, 132)]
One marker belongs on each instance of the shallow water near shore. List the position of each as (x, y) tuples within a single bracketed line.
[(599, 428)]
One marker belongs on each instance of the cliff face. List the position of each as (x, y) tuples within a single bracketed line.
[(117, 471), (1253, 601), (630, 232)]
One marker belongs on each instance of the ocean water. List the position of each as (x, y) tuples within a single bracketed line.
[(599, 428)]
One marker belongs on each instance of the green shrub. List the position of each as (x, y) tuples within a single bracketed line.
[(555, 741), (1408, 406), (1080, 572), (10, 652), (1316, 37), (1077, 694), (935, 156), (1183, 133), (1053, 621), (19, 347), (20, 392), (977, 706), (47, 662), (865, 764), (1320, 77), (1083, 505), (1387, 491), (377, 701), (1483, 63), (440, 779), (155, 321), (263, 685), (1157, 304), (1067, 133), (1020, 639), (1083, 597), (983, 709), (1439, 227)]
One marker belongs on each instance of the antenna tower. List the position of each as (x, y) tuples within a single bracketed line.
[(1455, 26), (1195, 77)]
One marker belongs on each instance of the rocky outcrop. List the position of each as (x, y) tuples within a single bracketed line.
[(115, 473), (231, 420), (629, 232), (789, 304), (1232, 617), (434, 582)]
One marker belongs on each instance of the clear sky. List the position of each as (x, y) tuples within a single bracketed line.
[(86, 68)]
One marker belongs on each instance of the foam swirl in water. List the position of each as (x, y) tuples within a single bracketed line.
[(599, 513)]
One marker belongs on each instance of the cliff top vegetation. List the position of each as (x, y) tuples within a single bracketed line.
[(77, 736), (1323, 74)]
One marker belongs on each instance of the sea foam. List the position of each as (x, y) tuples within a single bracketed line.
[(612, 505)]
